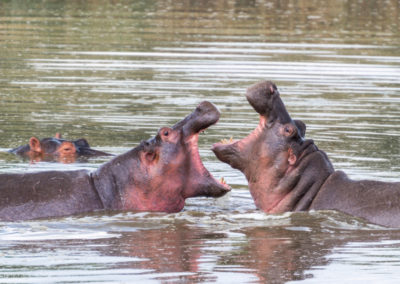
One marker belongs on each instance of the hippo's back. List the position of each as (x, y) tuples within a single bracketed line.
[(375, 201), (46, 194)]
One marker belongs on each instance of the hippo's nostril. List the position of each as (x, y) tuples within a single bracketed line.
[(144, 143)]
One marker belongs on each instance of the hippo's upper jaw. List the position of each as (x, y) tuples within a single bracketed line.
[(265, 99), (163, 171)]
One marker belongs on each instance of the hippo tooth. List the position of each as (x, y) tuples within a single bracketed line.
[(227, 141)]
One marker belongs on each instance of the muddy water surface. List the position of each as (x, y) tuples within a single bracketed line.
[(115, 72)]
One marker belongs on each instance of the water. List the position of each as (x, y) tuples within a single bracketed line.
[(115, 72)]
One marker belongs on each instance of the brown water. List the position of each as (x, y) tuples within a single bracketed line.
[(114, 72)]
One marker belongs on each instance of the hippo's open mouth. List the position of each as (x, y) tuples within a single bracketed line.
[(211, 186), (200, 180)]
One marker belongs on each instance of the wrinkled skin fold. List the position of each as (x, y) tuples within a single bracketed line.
[(287, 172), (157, 175)]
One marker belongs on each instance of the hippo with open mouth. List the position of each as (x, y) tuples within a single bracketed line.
[(157, 175), (287, 172)]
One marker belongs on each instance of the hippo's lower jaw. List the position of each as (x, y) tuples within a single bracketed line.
[(227, 152), (237, 153)]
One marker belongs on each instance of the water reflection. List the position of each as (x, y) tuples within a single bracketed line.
[(149, 247), (175, 249)]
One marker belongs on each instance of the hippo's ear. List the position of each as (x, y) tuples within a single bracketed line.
[(34, 144), (301, 126), (58, 136), (82, 143)]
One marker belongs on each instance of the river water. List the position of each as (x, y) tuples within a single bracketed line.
[(114, 72)]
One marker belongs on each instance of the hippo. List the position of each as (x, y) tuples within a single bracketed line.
[(157, 175), (286, 172), (56, 149)]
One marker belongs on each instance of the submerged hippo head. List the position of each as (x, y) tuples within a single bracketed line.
[(163, 171), (56, 149), (269, 154)]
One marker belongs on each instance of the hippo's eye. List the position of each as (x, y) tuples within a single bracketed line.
[(165, 133), (288, 130)]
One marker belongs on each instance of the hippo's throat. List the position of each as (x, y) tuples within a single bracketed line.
[(138, 199), (295, 189)]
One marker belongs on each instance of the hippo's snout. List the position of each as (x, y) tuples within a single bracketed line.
[(260, 96), (265, 99), (205, 115)]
